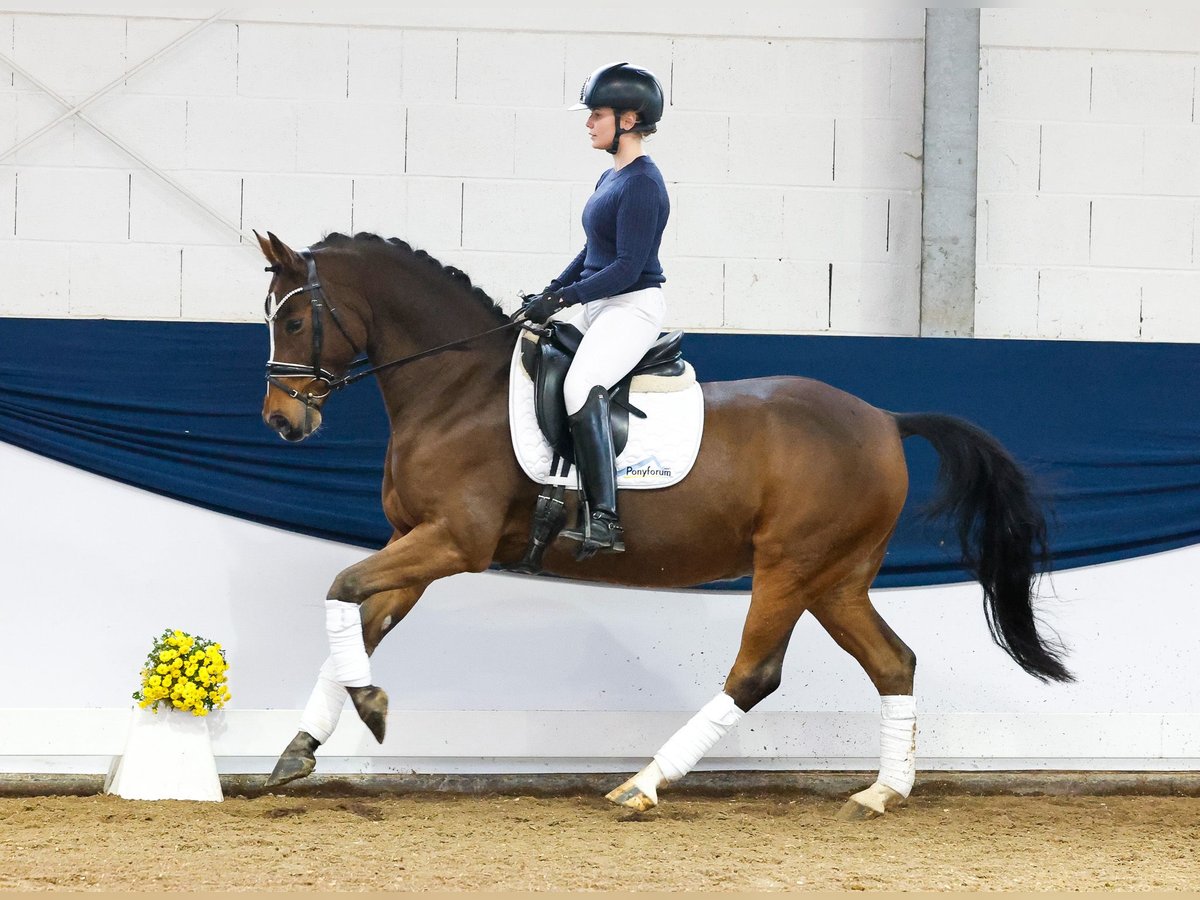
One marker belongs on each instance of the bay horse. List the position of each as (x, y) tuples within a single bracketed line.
[(796, 483)]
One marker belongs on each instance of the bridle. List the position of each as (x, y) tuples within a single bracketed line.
[(277, 369)]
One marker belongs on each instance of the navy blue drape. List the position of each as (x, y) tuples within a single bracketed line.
[(1111, 431)]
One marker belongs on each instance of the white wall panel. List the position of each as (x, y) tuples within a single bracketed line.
[(695, 293), (462, 141), (848, 225), (1006, 301), (340, 137), (160, 214), (1088, 158), (773, 149), (1172, 160), (38, 279), (299, 208), (73, 55), (8, 203), (223, 284), (430, 66), (736, 74), (1089, 304), (794, 295), (1010, 157), (1034, 84), (510, 69), (242, 135), (552, 145), (375, 57), (831, 78), (520, 216), (1043, 229), (155, 127), (381, 205), (875, 298), (205, 65), (878, 153), (1142, 88), (434, 212), (292, 61), (726, 222), (693, 147), (73, 204), (1171, 306), (128, 281), (54, 148), (1143, 232)]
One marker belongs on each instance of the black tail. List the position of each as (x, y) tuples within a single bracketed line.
[(1001, 529)]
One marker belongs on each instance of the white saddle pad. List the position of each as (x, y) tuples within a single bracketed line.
[(661, 449)]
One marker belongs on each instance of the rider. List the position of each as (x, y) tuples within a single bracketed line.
[(617, 280)]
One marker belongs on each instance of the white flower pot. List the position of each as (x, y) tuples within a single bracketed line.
[(168, 756)]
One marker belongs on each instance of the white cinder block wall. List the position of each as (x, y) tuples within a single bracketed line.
[(1089, 175), (791, 142)]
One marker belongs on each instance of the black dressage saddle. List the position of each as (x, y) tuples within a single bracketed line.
[(547, 359)]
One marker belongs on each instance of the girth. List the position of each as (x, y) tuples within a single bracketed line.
[(547, 359)]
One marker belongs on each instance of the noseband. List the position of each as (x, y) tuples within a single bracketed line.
[(277, 369)]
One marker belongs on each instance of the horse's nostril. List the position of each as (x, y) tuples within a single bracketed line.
[(279, 422)]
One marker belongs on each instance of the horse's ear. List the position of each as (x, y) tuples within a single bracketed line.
[(280, 254)]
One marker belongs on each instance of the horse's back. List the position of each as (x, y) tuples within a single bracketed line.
[(806, 443)]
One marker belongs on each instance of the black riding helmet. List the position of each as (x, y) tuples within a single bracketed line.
[(624, 87)]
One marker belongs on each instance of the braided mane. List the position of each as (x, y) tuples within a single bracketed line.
[(408, 252)]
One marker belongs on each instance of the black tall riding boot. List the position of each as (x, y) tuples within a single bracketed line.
[(591, 432)]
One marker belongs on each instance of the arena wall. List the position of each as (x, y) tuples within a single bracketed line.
[(792, 145)]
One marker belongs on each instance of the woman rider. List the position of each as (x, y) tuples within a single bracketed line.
[(616, 279)]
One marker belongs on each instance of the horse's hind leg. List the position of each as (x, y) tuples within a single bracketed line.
[(775, 607), (859, 630), (380, 613)]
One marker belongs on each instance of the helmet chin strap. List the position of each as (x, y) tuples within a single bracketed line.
[(618, 131)]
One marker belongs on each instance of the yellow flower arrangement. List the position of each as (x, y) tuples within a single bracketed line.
[(186, 671)]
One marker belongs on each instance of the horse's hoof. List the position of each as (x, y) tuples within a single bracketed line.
[(297, 760), (869, 804), (371, 704), (633, 797)]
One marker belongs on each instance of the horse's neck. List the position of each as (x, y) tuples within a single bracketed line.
[(448, 384)]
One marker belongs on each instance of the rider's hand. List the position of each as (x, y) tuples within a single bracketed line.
[(540, 308)]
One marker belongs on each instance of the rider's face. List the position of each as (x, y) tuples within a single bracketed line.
[(602, 125)]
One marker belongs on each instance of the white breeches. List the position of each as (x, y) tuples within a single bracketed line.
[(617, 332)]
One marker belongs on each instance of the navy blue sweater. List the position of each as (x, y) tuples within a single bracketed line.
[(624, 221)]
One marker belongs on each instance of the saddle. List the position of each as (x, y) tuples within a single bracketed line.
[(546, 361)]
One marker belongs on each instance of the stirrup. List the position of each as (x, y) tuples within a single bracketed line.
[(602, 533)]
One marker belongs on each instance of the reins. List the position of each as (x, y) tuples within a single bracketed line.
[(277, 370)]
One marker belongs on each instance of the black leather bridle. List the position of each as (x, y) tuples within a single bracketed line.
[(277, 369), (313, 370)]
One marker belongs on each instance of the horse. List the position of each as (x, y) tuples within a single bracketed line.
[(796, 483)]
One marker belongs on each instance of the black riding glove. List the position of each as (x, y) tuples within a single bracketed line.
[(540, 308)]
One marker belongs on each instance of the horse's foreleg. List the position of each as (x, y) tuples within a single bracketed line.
[(379, 615), (890, 664), (755, 674), (410, 562)]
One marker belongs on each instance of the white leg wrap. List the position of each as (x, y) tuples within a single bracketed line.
[(347, 652), (898, 743), (324, 706), (686, 746)]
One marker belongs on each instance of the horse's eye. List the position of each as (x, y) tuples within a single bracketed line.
[(294, 326)]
